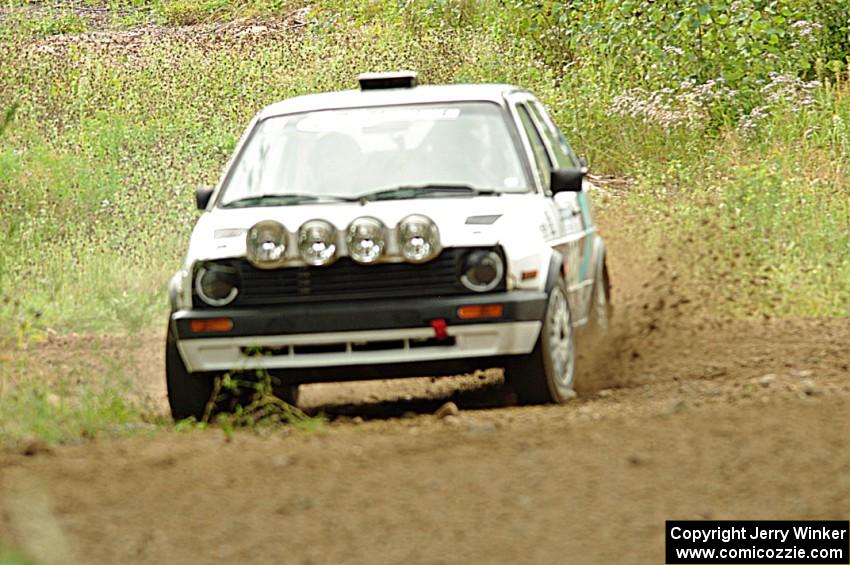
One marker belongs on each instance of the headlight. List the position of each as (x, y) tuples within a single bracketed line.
[(266, 244), (317, 242), (419, 238), (366, 238), (217, 285), (482, 270)]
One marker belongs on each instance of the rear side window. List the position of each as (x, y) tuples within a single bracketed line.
[(541, 158), (564, 155)]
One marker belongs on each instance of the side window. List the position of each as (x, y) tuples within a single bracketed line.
[(541, 158), (564, 155)]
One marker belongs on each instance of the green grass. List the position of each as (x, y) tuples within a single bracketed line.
[(40, 401), (98, 167), (745, 178), (187, 12), (8, 557), (42, 23)]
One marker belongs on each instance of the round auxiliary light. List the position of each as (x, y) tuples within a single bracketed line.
[(317, 242), (482, 270), (366, 238), (419, 238), (266, 244), (217, 285)]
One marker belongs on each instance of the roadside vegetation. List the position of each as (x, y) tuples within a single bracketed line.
[(728, 118), (12, 558)]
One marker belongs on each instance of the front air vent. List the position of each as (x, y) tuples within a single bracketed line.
[(347, 280)]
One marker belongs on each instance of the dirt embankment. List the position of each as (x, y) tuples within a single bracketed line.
[(679, 415)]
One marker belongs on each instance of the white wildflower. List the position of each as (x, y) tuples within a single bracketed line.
[(789, 90), (805, 28)]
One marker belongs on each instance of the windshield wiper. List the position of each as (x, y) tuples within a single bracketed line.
[(284, 200), (415, 191)]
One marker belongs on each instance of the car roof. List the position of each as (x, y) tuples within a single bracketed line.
[(391, 96)]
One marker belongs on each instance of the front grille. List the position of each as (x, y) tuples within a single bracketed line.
[(347, 280)]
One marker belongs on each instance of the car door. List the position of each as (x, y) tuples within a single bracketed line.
[(579, 203), (564, 210)]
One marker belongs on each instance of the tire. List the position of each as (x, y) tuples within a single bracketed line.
[(288, 393), (188, 393), (546, 374)]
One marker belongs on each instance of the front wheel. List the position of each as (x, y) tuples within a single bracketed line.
[(189, 394), (288, 393), (546, 374)]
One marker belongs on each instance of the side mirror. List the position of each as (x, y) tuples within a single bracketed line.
[(202, 196), (567, 180)]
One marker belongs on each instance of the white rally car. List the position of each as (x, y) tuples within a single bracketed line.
[(395, 230)]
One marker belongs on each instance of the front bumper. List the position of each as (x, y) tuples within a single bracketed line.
[(339, 335)]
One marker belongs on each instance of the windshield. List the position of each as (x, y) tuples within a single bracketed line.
[(353, 152)]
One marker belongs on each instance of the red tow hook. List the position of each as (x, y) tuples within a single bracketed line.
[(439, 326)]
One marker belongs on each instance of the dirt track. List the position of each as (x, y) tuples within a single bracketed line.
[(681, 415)]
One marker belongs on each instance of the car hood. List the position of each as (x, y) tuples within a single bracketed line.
[(513, 221)]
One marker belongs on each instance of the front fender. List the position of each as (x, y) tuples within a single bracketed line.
[(555, 271), (177, 291)]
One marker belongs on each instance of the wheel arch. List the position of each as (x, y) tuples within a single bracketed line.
[(555, 272)]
